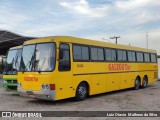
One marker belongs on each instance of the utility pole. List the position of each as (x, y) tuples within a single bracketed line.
[(147, 39), (115, 37)]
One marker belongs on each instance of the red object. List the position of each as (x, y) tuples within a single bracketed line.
[(52, 87), (32, 95)]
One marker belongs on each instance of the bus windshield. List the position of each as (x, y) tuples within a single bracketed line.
[(38, 57), (13, 61)]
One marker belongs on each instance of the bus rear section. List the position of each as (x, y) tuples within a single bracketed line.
[(11, 68)]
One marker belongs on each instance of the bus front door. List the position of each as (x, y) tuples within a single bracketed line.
[(64, 72)]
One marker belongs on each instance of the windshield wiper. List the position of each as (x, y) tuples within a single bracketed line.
[(8, 65), (14, 62), (39, 71), (29, 62), (5, 69), (33, 58)]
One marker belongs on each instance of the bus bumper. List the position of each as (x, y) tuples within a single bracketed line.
[(42, 94), (10, 86)]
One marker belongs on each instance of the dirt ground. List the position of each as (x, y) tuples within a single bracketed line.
[(147, 99)]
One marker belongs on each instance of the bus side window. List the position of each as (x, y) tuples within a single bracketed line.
[(64, 58)]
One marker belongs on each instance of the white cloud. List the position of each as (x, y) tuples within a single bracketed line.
[(146, 17), (134, 39), (10, 18), (53, 29), (130, 15), (122, 17), (132, 4), (82, 7)]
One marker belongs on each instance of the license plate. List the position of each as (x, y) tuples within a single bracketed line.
[(32, 95), (30, 92)]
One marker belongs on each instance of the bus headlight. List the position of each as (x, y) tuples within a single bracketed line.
[(19, 85), (48, 86), (45, 87), (5, 81)]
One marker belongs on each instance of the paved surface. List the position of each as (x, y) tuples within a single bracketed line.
[(147, 99), (0, 76)]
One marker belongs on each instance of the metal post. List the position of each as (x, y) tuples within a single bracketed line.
[(115, 37)]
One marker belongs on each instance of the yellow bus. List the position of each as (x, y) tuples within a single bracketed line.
[(11, 67), (60, 67)]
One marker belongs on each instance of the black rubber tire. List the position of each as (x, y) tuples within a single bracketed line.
[(81, 92), (137, 84), (144, 82)]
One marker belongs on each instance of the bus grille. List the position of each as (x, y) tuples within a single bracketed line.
[(11, 81)]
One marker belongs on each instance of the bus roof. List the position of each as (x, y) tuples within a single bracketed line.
[(70, 39), (17, 47)]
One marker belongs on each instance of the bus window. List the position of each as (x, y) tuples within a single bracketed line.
[(80, 53), (114, 56), (85, 53), (100, 54), (64, 58), (97, 54), (77, 55), (139, 56), (146, 57), (94, 54), (153, 58), (110, 54), (122, 56), (131, 56), (13, 61)]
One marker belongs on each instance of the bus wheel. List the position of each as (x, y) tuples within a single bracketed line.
[(137, 84), (81, 92), (145, 82)]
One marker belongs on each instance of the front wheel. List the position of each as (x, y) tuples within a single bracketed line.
[(137, 84), (81, 92)]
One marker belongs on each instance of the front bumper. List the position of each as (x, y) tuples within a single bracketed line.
[(10, 86), (43, 94)]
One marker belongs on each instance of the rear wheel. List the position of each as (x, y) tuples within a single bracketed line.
[(81, 92), (137, 84), (144, 82)]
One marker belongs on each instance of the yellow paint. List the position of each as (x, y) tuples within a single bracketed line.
[(9, 77), (96, 74)]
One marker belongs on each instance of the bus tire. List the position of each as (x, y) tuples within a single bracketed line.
[(144, 82), (137, 84), (81, 91)]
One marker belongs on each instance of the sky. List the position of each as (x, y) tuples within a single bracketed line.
[(92, 19)]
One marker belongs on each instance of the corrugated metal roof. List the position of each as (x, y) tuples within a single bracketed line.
[(10, 39)]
